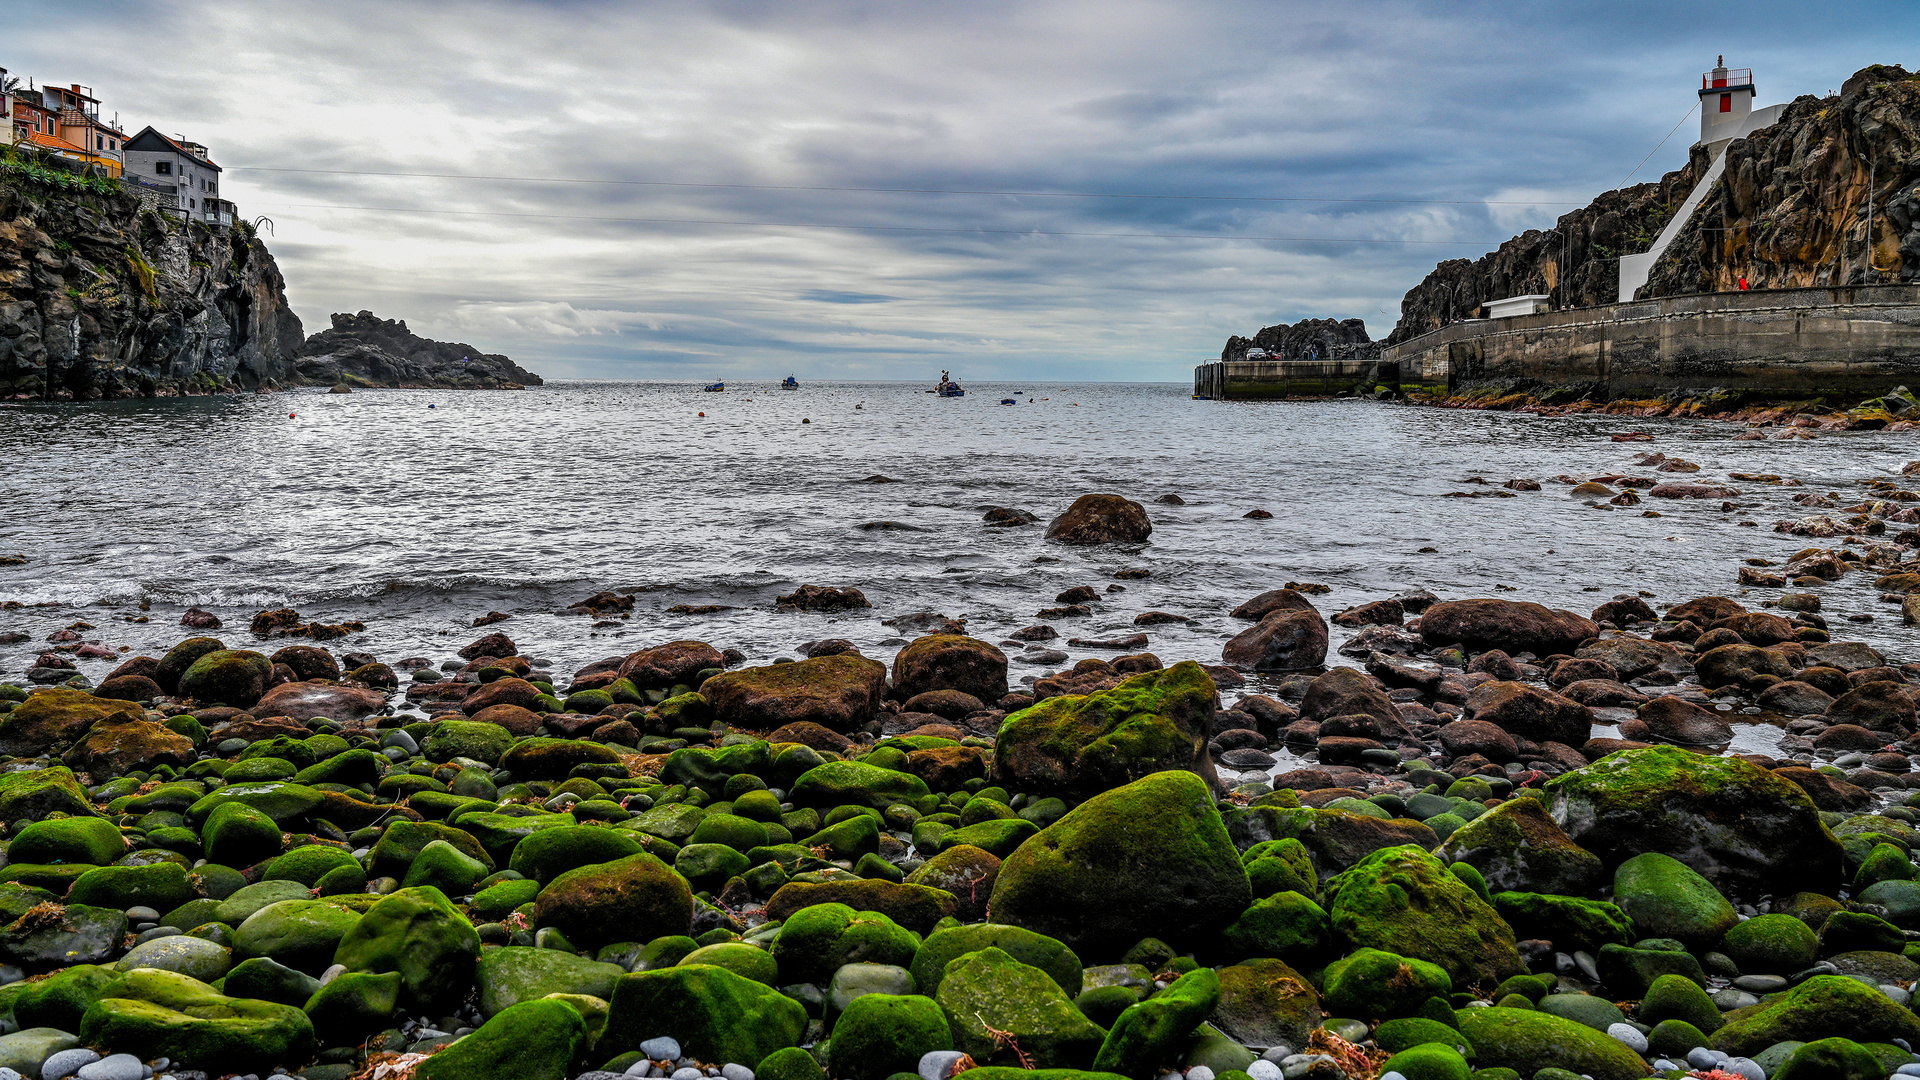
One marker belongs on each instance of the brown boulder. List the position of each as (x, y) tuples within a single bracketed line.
[(1628, 609), (1849, 737), (119, 744), (945, 768), (309, 662), (951, 662), (1691, 491), (1827, 792), (822, 598), (494, 644), (1882, 706), (307, 700), (1516, 626), (672, 664), (1705, 610), (836, 692), (1101, 519), (144, 666), (1795, 698), (1377, 613), (516, 719), (1602, 694), (1676, 720), (1290, 639), (1739, 665), (1530, 712), (946, 704), (1086, 677), (1463, 737), (1344, 691), (808, 733), (128, 688), (1756, 627), (1271, 601), (508, 691), (1632, 657)]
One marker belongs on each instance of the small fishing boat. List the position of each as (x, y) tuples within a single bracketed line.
[(790, 383), (948, 387), (715, 387), (1008, 401)]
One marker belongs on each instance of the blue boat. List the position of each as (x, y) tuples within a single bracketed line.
[(715, 386), (1008, 401), (790, 383), (948, 387)]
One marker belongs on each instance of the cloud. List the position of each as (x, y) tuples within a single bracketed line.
[(565, 222)]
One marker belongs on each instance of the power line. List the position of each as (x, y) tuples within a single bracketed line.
[(1656, 149), (912, 191), (874, 228)]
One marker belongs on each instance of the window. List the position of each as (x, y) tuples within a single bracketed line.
[(163, 168), (1726, 102), (190, 204)]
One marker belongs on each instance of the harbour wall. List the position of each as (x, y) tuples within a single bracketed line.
[(1261, 380), (1861, 339)]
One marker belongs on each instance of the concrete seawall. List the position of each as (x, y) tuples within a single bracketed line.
[(1258, 380), (1861, 339)]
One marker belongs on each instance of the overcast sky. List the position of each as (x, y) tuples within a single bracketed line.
[(644, 263)]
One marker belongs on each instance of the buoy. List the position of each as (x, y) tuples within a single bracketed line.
[(804, 420), (703, 414), (430, 406), (289, 416)]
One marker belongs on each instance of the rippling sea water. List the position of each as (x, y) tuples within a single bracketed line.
[(416, 511)]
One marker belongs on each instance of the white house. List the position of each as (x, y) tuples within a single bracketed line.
[(156, 159)]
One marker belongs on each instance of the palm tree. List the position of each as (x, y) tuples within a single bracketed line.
[(9, 84)]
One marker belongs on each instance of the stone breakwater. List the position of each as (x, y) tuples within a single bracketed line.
[(1503, 841)]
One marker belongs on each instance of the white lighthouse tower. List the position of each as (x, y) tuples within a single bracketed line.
[(1726, 100)]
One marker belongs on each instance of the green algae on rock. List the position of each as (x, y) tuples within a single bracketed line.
[(1403, 900), (534, 1040), (713, 1013), (988, 991), (1527, 1041), (1516, 845), (1076, 746), (1183, 876), (420, 934), (181, 1018), (882, 1034), (1821, 1007)]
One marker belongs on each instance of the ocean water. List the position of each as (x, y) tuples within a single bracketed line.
[(416, 511)]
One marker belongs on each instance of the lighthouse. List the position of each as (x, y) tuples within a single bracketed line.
[(1726, 100)]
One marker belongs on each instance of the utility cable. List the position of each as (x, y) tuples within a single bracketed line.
[(1656, 149), (870, 228), (911, 191)]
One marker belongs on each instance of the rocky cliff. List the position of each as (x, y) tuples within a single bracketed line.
[(102, 299), (1330, 337), (1791, 210), (367, 350)]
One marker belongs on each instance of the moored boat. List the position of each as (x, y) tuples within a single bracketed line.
[(948, 386), (790, 383), (715, 386)]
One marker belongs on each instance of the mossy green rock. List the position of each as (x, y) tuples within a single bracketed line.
[(1428, 1061), (1265, 1002), (815, 941), (1516, 845), (1831, 1059), (353, 1005), (916, 907), (161, 886), (1628, 972), (848, 840), (1675, 997), (301, 934), (62, 998), (68, 840), (1771, 945), (636, 898), (750, 961), (1673, 1038), (1000, 837), (496, 902), (1146, 1036), (792, 1063), (1823, 1006), (240, 905), (991, 990), (403, 841), (264, 979), (1666, 899), (739, 833), (1745, 828), (239, 835), (713, 1013), (512, 974), (180, 953), (710, 767), (554, 759), (501, 834), (1407, 1032), (1527, 1041), (477, 740), (1063, 882), (32, 794), (283, 801), (307, 864), (445, 867), (534, 1040), (1078, 745), (1286, 924), (1567, 921), (856, 783), (882, 1034), (164, 1014), (944, 946), (419, 934), (1277, 866), (1374, 983), (235, 677), (1403, 900)]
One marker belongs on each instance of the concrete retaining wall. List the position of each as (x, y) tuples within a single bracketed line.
[(1861, 339), (1256, 380)]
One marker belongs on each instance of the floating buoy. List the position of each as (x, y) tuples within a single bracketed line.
[(703, 414), (804, 420), (289, 416), (430, 406)]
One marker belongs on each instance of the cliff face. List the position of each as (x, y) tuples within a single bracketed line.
[(1791, 210), (100, 299), (367, 350), (1294, 342)]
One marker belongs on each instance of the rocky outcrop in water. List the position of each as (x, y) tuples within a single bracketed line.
[(1790, 211), (1296, 342), (367, 350), (100, 298)]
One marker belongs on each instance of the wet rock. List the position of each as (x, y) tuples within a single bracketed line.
[(308, 700), (1530, 712), (672, 664), (1603, 694), (1794, 698), (1076, 746), (837, 692), (1671, 719), (926, 622), (822, 598), (1624, 610), (951, 662), (1007, 517), (1290, 636), (1378, 612), (1101, 519), (1515, 626), (197, 619), (1270, 601), (1882, 706), (1158, 618), (1463, 737), (1402, 900), (1740, 665), (1517, 846)]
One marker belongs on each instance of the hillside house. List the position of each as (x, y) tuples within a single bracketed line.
[(157, 160), (77, 113)]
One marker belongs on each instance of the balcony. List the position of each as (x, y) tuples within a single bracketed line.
[(1727, 79)]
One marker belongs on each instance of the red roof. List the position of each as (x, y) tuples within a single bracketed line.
[(53, 142)]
